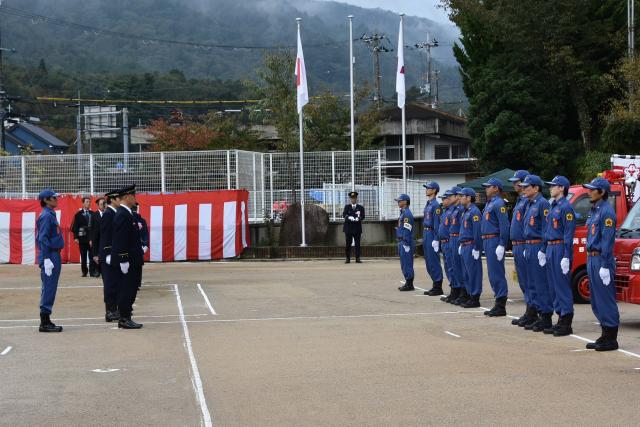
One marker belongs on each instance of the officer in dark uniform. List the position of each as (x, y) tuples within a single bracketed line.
[(127, 255), (81, 229), (50, 243), (601, 264), (495, 236), (96, 219), (558, 239), (516, 234), (144, 234), (460, 291), (110, 271), (471, 247), (406, 246), (353, 215), (443, 235), (430, 241), (535, 223)]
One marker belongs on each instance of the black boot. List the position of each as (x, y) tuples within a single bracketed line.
[(514, 322), (531, 316), (111, 313), (532, 320), (543, 323), (462, 298), (455, 292), (46, 325), (347, 261), (593, 345), (408, 286), (435, 290), (358, 261), (564, 326), (472, 302), (610, 340), (127, 323), (499, 309)]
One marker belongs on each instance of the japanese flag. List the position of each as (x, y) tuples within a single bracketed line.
[(400, 85), (301, 77)]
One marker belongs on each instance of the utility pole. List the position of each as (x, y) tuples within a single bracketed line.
[(79, 127), (427, 87), (631, 28), (374, 43), (436, 78), (125, 136)]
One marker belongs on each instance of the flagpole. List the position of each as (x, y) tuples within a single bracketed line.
[(404, 129), (353, 136), (300, 124)]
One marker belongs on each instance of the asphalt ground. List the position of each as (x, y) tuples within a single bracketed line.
[(300, 343)]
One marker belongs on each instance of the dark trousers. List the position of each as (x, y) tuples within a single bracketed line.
[(110, 279), (350, 237), (50, 284), (85, 258), (128, 289)]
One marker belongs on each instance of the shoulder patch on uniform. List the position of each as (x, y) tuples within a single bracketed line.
[(503, 210), (408, 226), (476, 218), (438, 211), (406, 220), (546, 212), (569, 217), (608, 222)]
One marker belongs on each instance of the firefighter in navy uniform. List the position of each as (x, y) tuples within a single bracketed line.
[(353, 215), (430, 241), (443, 236), (406, 246), (127, 256), (601, 264), (50, 243), (110, 271), (495, 236), (460, 291), (471, 247)]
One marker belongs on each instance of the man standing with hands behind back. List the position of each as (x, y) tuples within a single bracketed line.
[(82, 235), (353, 215)]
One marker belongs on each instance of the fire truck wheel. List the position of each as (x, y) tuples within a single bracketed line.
[(580, 285)]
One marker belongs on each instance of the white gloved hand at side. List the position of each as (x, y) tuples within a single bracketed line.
[(435, 245), (48, 267), (542, 258), (500, 252), (605, 275), (124, 267), (475, 253), (564, 265), (145, 249), (351, 218), (108, 259), (406, 248), (460, 250)]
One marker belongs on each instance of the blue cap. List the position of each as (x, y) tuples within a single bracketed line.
[(467, 191), (455, 190), (519, 175), (531, 180), (559, 181), (493, 182), (432, 186), (446, 194), (404, 197), (598, 183), (47, 193)]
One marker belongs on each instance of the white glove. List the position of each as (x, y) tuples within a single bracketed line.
[(475, 253), (524, 253), (351, 218), (564, 265), (460, 250), (542, 258), (406, 248), (108, 259), (48, 267), (145, 249), (124, 267), (435, 245), (500, 252), (605, 276)]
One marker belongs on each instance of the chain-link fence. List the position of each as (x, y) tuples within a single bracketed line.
[(272, 179)]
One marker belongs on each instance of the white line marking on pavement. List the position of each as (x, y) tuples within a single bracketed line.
[(197, 381), (206, 300), (31, 288), (577, 350), (628, 353), (6, 351), (513, 317), (452, 334), (98, 318), (105, 371)]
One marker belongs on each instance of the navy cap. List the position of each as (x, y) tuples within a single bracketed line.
[(493, 182), (432, 186), (559, 181), (402, 197), (531, 180), (129, 189), (519, 175), (598, 183), (455, 190), (353, 194), (446, 194), (467, 191), (113, 194), (47, 193)]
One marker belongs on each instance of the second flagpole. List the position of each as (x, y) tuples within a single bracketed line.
[(301, 124)]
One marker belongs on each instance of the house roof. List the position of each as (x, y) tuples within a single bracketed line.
[(40, 133), (421, 111)]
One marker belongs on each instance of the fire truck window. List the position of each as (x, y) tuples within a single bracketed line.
[(582, 208)]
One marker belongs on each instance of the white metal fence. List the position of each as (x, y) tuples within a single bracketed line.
[(272, 179)]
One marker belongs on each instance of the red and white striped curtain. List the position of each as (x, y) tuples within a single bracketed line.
[(182, 227)]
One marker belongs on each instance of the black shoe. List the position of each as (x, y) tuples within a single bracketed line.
[(127, 323), (463, 297), (609, 341), (593, 345), (531, 322), (84, 274), (348, 261), (563, 328), (530, 316), (472, 302), (436, 289), (543, 323), (499, 309), (455, 292), (358, 261), (111, 316), (407, 287), (515, 322), (46, 325)]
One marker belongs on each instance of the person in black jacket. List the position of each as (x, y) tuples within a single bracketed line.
[(127, 254), (81, 229), (353, 215), (144, 234), (96, 219), (110, 272)]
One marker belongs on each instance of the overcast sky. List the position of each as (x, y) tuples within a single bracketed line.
[(424, 8)]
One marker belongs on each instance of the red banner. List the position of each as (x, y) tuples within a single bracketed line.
[(185, 226)]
